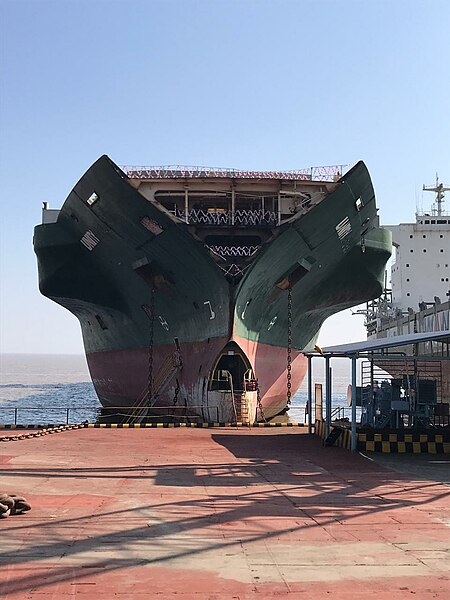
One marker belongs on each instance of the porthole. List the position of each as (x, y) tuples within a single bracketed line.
[(407, 264), (424, 250), (410, 237), (411, 250), (441, 250), (424, 236), (407, 279), (408, 294), (441, 236)]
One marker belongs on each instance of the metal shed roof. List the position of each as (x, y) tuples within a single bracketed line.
[(380, 344)]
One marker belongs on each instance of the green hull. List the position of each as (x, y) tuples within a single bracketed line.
[(102, 261)]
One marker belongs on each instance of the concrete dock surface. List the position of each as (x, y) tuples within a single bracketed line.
[(217, 514)]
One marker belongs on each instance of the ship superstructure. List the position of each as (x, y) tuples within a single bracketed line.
[(200, 287), (418, 299)]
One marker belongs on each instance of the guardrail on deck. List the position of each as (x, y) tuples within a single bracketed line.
[(76, 414)]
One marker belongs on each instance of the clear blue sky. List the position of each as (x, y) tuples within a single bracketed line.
[(252, 84)]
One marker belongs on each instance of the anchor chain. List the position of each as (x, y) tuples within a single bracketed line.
[(289, 346), (177, 391), (40, 432), (150, 348), (258, 399)]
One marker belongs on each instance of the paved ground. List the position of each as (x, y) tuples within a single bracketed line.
[(429, 467), (217, 514)]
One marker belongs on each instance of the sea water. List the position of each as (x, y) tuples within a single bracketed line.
[(44, 388)]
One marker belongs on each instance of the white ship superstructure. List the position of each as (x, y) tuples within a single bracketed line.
[(421, 271), (419, 298)]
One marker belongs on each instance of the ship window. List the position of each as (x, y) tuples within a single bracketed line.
[(407, 279), (427, 222), (411, 236), (442, 279), (407, 264), (441, 250), (441, 236), (433, 222), (424, 236), (424, 250), (411, 250), (446, 279), (441, 222), (408, 294)]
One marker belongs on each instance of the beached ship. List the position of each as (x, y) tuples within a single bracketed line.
[(200, 288)]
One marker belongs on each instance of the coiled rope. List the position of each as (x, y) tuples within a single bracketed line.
[(12, 505)]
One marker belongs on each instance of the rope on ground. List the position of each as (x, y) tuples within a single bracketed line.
[(41, 432), (12, 505)]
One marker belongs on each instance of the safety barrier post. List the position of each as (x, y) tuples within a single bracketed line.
[(309, 394), (353, 444), (327, 396)]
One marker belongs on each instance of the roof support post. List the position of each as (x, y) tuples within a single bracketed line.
[(186, 205), (279, 208), (309, 394), (354, 434), (327, 396), (233, 203)]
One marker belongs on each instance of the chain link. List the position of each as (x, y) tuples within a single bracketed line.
[(150, 349), (258, 399), (289, 346), (177, 391)]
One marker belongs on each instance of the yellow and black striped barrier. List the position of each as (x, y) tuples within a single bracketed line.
[(157, 425), (343, 441), (415, 443), (198, 425), (397, 442)]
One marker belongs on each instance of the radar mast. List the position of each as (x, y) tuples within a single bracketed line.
[(439, 190)]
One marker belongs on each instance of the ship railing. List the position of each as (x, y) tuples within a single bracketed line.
[(339, 414), (321, 173), (66, 415), (218, 218), (233, 251)]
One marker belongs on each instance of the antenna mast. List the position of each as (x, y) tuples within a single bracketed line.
[(439, 190)]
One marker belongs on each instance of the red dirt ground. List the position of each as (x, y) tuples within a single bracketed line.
[(216, 514)]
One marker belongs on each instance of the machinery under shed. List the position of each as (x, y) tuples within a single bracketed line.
[(403, 385)]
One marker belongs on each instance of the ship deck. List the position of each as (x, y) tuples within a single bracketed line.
[(218, 513)]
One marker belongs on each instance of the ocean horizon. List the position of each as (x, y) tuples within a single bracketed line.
[(44, 387)]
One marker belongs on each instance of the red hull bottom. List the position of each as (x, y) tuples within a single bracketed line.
[(121, 377)]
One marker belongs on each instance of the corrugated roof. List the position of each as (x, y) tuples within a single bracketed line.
[(380, 344)]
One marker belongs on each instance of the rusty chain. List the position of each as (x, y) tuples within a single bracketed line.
[(289, 347)]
